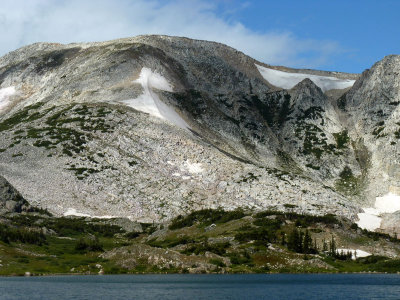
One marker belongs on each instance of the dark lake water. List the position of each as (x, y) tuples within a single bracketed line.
[(252, 286)]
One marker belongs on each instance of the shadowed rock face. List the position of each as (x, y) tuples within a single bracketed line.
[(70, 143), (10, 199)]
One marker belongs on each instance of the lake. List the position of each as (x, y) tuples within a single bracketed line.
[(186, 286)]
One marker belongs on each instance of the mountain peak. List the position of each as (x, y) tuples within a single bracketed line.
[(185, 124)]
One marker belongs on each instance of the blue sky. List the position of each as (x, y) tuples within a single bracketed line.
[(336, 35), (364, 30)]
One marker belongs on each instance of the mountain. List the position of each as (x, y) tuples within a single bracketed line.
[(153, 127)]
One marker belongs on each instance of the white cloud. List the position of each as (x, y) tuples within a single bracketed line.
[(23, 22)]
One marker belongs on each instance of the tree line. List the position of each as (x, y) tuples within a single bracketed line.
[(302, 242)]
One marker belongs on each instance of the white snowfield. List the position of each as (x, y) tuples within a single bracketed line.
[(288, 80), (355, 253), (73, 212), (5, 95), (370, 219), (389, 203), (150, 103)]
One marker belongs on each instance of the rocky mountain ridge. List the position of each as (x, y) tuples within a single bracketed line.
[(96, 129)]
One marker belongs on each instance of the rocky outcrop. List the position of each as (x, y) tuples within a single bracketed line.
[(10, 199)]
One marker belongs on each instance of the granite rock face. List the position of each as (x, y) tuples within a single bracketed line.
[(97, 129), (373, 114), (10, 199)]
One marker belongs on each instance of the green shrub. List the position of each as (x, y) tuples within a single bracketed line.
[(65, 226), (201, 248), (372, 259), (88, 245), (267, 213), (218, 262), (239, 258), (170, 242), (377, 235), (132, 235), (206, 217), (271, 224), (354, 226), (23, 235), (256, 234), (342, 139)]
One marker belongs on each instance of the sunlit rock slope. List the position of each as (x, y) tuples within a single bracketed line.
[(155, 126)]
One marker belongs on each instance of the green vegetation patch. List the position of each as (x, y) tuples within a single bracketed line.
[(301, 242), (70, 227), (88, 245), (250, 177), (264, 233), (170, 242), (206, 217), (67, 129), (202, 248), (25, 235), (314, 139), (70, 127), (275, 107), (397, 132), (28, 114), (267, 241), (301, 220), (347, 183), (342, 139)]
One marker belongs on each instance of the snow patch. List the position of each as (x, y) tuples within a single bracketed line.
[(193, 168), (288, 80), (73, 212), (5, 95), (355, 253), (370, 219), (389, 203), (152, 79), (150, 103)]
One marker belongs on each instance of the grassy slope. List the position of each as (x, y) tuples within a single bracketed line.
[(236, 242)]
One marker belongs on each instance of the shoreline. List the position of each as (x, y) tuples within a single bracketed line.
[(177, 273)]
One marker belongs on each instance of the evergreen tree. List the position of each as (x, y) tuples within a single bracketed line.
[(283, 238), (307, 243), (294, 241), (332, 247), (324, 246), (301, 242)]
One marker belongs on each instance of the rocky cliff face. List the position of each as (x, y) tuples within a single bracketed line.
[(10, 199), (153, 126), (373, 115)]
